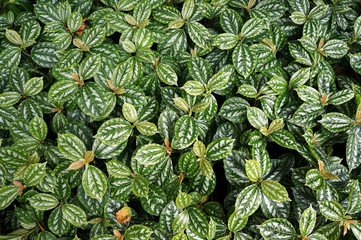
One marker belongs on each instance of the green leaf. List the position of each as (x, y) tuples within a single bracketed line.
[(198, 223), (248, 91), (206, 168), (13, 37), (199, 35), (218, 80), (89, 67), (188, 8), (71, 58), (274, 190), (234, 109), (74, 214), (253, 170), (62, 91), (147, 128), (318, 11), (71, 147), (13, 157), (257, 118), (7, 195), (300, 5), (43, 201), (181, 104), (219, 148), (186, 131), (183, 200), (38, 128), (193, 88), (137, 232), (335, 48), (46, 12), (332, 210), (277, 228), (143, 38), (355, 62), (307, 221), (200, 70), (150, 154), (279, 84), (340, 97), (235, 223), (57, 223), (315, 180), (94, 182), (166, 74), (300, 77), (188, 165), (309, 43), (298, 17), (225, 41), (309, 94), (180, 222), (336, 122), (353, 152), (33, 86), (248, 201), (34, 174), (142, 11), (44, 54), (114, 131), (252, 28), (8, 99), (118, 169), (244, 60), (284, 138), (140, 186), (74, 21), (93, 37), (356, 230)]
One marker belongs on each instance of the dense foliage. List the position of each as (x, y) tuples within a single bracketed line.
[(180, 119)]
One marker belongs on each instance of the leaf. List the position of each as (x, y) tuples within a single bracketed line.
[(253, 170), (300, 77), (71, 147), (257, 118), (248, 91), (8, 99), (188, 8), (307, 221), (193, 88), (34, 174), (62, 91), (140, 186), (335, 48), (46, 12), (43, 201), (218, 80), (150, 154), (309, 94), (353, 152), (93, 37), (234, 109), (57, 223), (71, 58), (38, 128), (7, 195), (143, 38), (252, 28), (74, 21), (277, 228), (136, 232), (33, 86), (198, 223), (180, 222), (206, 168), (284, 138), (94, 182), (315, 180), (225, 41), (356, 230), (147, 128), (355, 62), (199, 35), (300, 5), (340, 97), (183, 200), (118, 169), (235, 223), (274, 190), (89, 66), (186, 131), (244, 60), (74, 214), (188, 165), (167, 74), (44, 54), (298, 17), (13, 157), (248, 201), (114, 131), (332, 210), (336, 122), (219, 148), (13, 37)]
